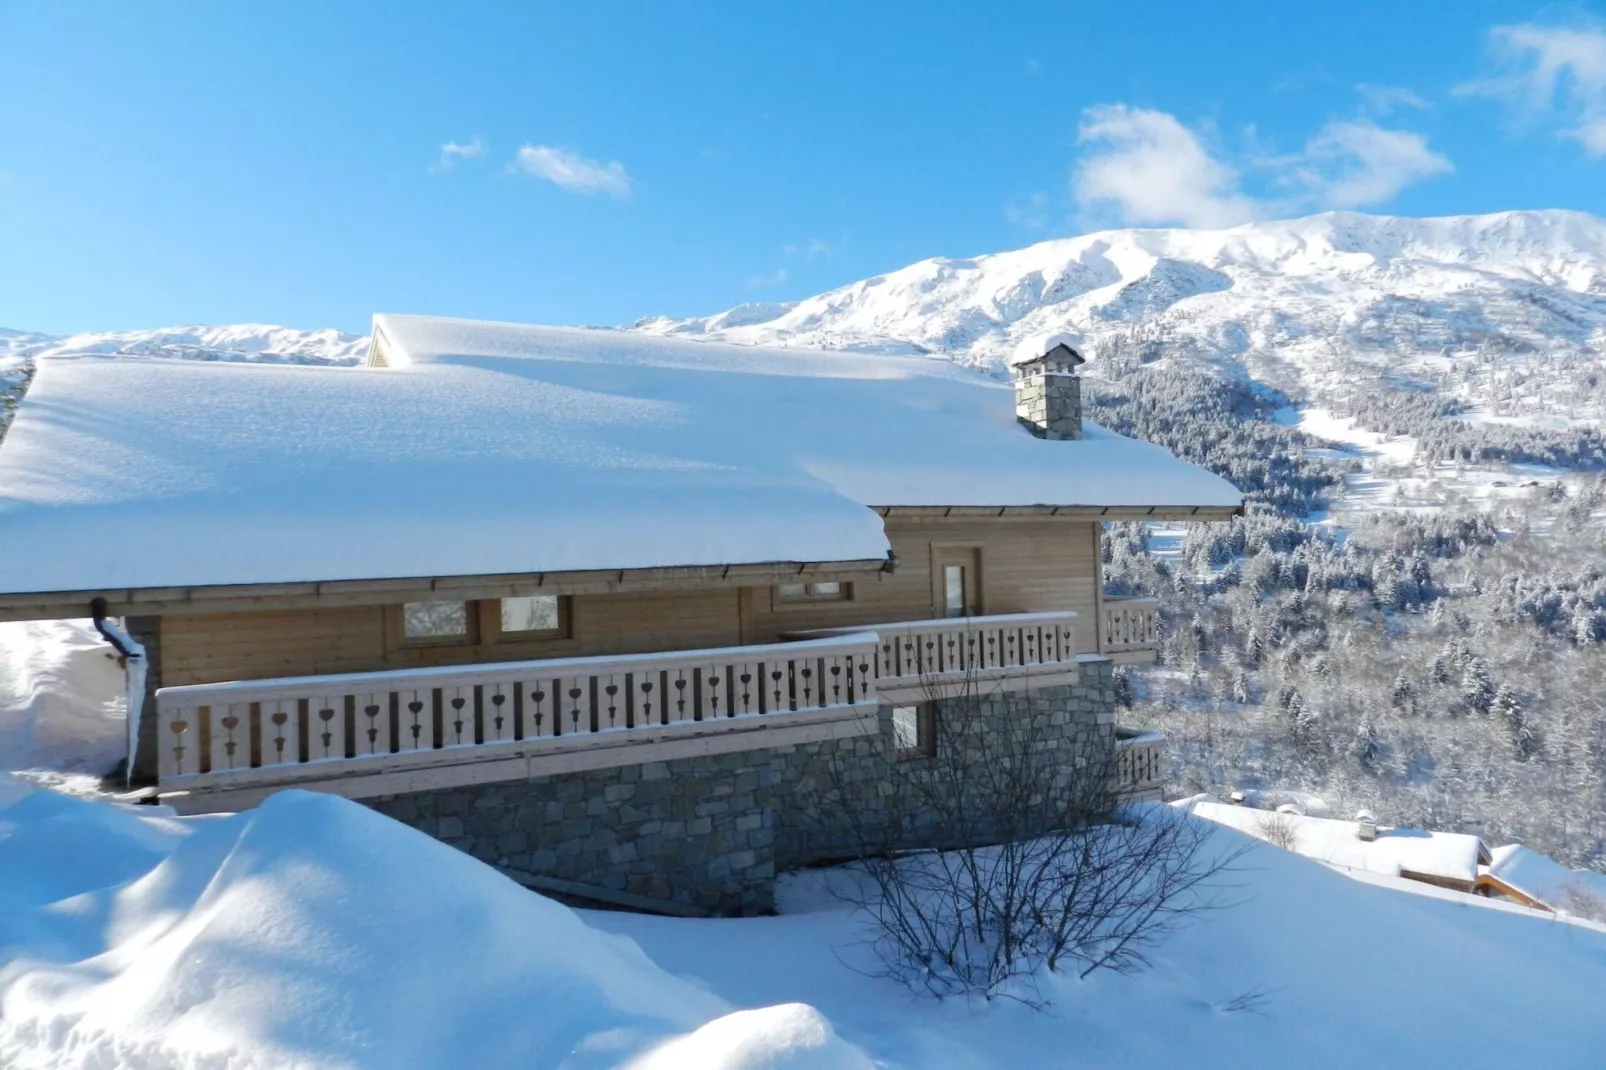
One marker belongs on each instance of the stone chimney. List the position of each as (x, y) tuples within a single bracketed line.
[(1048, 395)]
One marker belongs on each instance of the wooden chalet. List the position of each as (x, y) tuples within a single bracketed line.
[(515, 571)]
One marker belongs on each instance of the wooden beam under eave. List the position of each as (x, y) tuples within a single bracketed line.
[(337, 593), (1199, 513)]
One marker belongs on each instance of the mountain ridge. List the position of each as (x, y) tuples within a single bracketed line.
[(1504, 311), (1221, 289)]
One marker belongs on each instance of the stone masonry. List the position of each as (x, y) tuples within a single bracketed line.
[(714, 831), (1048, 397)]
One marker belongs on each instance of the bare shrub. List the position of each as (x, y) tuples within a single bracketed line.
[(1583, 903), (1279, 830), (1001, 851)]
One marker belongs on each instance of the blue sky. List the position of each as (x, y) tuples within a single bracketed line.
[(311, 163)]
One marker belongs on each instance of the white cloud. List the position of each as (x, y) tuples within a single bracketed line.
[(1029, 212), (764, 282), (452, 151), (1152, 169), (814, 248), (1557, 70), (573, 172), (1357, 163), (1384, 99)]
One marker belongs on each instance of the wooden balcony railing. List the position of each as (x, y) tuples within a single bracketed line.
[(915, 657), (1130, 626), (275, 731), (1139, 765)]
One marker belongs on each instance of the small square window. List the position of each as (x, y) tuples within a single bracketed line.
[(822, 591), (533, 614), (435, 622), (914, 730)]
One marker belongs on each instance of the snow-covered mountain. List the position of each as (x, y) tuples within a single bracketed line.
[(1505, 312), (241, 341), (1290, 300)]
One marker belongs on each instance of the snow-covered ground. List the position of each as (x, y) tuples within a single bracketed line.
[(313, 932), (1391, 476)]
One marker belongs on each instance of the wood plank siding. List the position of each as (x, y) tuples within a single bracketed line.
[(1025, 564)]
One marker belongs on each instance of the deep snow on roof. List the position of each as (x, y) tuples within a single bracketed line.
[(1543, 878), (1451, 855), (493, 448)]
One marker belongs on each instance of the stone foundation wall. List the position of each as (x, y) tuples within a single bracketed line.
[(713, 831)]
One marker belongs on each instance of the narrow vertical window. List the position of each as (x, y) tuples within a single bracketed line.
[(913, 730), (953, 583)]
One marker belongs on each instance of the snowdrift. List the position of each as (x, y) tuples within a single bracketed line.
[(61, 699), (314, 932), (1310, 968)]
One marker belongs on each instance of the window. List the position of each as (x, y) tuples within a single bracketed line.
[(435, 622), (953, 590), (814, 592), (914, 730), (540, 614)]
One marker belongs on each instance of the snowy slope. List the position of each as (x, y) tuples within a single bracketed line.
[(1506, 311), (313, 932), (1297, 302), (1340, 279), (240, 341)]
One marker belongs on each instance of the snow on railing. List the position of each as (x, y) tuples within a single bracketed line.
[(913, 653), (1130, 624), (1139, 765), (210, 731)]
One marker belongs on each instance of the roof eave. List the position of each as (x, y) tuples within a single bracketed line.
[(1199, 513), (227, 598)]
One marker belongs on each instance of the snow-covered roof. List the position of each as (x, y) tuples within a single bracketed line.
[(1547, 880), (487, 448), (1451, 855)]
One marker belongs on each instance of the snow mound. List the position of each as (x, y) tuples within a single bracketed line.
[(61, 699), (791, 1036), (314, 932)]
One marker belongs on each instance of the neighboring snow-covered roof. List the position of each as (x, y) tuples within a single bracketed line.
[(1547, 880), (493, 448), (1451, 855)]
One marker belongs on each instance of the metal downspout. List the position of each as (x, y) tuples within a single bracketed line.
[(132, 656)]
